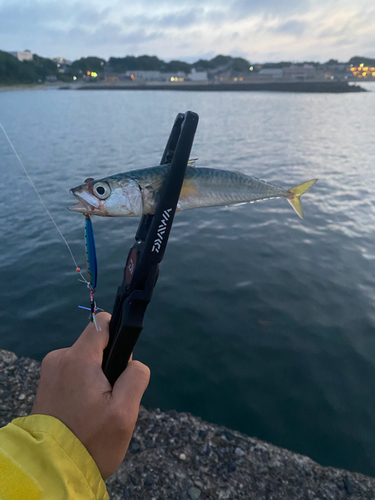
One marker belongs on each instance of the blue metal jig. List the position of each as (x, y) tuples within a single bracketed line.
[(92, 266)]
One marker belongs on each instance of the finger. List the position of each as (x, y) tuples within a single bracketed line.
[(131, 384), (92, 342)]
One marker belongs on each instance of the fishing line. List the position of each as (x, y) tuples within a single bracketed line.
[(45, 207)]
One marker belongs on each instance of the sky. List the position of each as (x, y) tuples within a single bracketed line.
[(258, 30)]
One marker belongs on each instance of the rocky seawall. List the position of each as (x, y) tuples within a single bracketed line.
[(319, 86), (178, 456)]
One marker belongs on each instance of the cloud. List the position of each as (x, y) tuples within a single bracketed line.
[(237, 8), (344, 42), (178, 19), (259, 30), (292, 27), (116, 35), (273, 8), (18, 17), (90, 17)]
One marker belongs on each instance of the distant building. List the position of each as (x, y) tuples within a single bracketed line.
[(26, 55), (197, 76), (146, 76), (300, 73), (111, 78), (62, 61), (362, 71), (273, 72), (221, 77), (155, 76), (179, 76), (62, 64)]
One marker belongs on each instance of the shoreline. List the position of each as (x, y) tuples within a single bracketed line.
[(176, 455), (27, 86), (309, 87)]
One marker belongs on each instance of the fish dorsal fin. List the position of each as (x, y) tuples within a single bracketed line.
[(191, 162)]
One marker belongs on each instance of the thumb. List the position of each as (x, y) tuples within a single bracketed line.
[(92, 342), (131, 385)]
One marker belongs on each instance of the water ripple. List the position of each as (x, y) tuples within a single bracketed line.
[(254, 307)]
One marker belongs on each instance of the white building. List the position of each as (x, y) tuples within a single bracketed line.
[(26, 55), (197, 76), (179, 76)]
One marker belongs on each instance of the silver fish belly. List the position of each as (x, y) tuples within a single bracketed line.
[(205, 187)]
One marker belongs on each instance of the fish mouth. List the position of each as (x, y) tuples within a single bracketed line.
[(86, 202)]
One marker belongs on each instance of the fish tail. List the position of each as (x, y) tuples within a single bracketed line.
[(296, 192)]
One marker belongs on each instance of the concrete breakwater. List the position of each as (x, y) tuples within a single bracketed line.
[(320, 86), (178, 456)]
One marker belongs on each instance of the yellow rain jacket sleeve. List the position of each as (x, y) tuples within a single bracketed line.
[(41, 459)]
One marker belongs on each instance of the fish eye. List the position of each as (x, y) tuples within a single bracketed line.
[(102, 190)]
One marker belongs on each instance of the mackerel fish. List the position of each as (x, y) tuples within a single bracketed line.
[(135, 193)]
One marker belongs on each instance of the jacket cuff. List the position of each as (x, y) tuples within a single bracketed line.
[(65, 446)]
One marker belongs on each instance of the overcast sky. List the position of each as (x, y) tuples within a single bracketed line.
[(259, 30)]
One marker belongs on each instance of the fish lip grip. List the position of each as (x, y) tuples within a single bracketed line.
[(142, 265)]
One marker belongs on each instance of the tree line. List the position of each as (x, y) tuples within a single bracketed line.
[(13, 71)]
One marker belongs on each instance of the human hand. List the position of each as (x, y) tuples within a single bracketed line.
[(74, 389)]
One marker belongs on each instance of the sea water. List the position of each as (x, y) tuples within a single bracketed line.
[(260, 321)]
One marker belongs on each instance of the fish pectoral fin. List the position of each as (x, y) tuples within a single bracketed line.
[(191, 162), (296, 192), (154, 186)]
